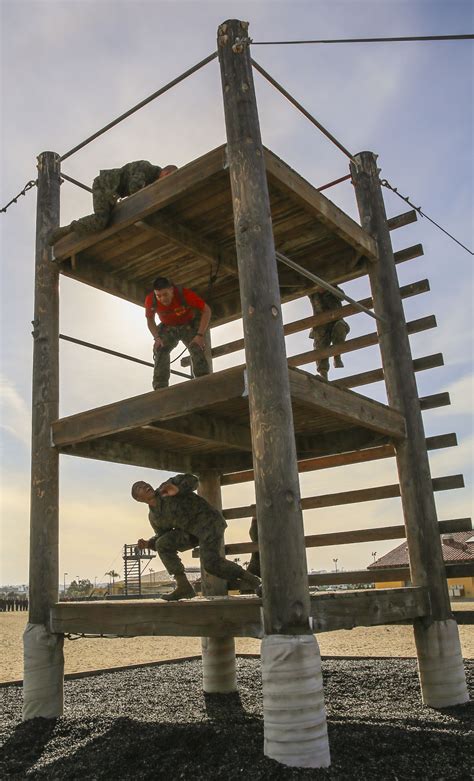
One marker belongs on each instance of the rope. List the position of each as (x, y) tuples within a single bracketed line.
[(28, 186), (140, 105), (303, 110), (370, 40), (326, 285), (387, 184)]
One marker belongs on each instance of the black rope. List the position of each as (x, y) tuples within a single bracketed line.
[(303, 110), (370, 40), (387, 184), (140, 105), (28, 186)]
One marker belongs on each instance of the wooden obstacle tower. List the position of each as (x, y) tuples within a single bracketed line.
[(231, 211)]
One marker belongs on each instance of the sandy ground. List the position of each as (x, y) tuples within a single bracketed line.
[(103, 653)]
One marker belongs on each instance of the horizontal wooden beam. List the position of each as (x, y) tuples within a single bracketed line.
[(94, 274), (288, 181), (345, 458), (183, 236), (352, 536), (208, 428), (402, 219), (321, 318), (376, 375), (409, 253), (382, 575), (351, 497), (147, 201), (347, 405), (359, 342), (105, 449), (232, 616), (434, 401)]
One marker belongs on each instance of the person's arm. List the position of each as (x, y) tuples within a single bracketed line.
[(144, 544), (203, 325), (182, 484), (153, 328)]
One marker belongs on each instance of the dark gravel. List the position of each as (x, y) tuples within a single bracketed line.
[(156, 723)]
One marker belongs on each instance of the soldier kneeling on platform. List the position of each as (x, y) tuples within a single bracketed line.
[(182, 520), (110, 185)]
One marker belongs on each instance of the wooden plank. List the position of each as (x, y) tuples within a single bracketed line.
[(434, 401), (409, 253), (94, 274), (190, 240), (104, 449), (352, 497), (351, 536), (210, 428), (376, 375), (383, 575), (373, 607), (367, 340), (345, 458), (347, 405), (285, 179), (314, 320), (237, 616), (148, 200), (402, 219), (150, 407)]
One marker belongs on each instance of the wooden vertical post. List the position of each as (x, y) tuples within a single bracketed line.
[(438, 637), (43, 679), (286, 601)]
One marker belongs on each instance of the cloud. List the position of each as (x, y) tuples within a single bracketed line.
[(14, 412)]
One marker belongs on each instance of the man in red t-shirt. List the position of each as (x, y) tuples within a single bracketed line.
[(184, 317)]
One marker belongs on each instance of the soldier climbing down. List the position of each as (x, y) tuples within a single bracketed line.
[(181, 521), (110, 185), (333, 333), (178, 309)]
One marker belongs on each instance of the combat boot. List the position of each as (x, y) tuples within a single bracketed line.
[(338, 364), (183, 590)]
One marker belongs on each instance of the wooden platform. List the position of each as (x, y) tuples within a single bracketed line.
[(234, 616), (204, 423), (183, 227)]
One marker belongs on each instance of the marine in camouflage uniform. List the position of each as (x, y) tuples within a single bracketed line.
[(333, 333), (182, 520), (110, 185)]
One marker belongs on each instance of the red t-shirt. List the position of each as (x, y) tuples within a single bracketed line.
[(176, 313)]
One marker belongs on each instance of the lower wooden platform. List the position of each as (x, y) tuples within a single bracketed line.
[(234, 616), (204, 423)]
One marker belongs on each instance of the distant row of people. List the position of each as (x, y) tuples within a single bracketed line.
[(10, 604)]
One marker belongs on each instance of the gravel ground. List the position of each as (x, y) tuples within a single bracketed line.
[(155, 722)]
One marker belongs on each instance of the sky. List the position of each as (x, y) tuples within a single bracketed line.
[(68, 67)]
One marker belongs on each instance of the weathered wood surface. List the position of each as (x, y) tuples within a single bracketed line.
[(402, 219), (384, 575), (350, 537), (44, 510), (237, 616), (426, 559), (284, 572), (352, 497), (321, 318)]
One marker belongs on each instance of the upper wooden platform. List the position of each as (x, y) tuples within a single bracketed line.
[(183, 227), (204, 423)]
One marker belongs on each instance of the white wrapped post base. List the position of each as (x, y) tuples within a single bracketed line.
[(440, 665), (43, 677), (295, 730), (218, 665)]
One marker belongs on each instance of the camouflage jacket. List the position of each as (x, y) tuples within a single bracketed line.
[(186, 511), (130, 177)]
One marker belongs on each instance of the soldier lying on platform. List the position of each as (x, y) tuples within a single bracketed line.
[(184, 318), (110, 185), (181, 521), (330, 333)]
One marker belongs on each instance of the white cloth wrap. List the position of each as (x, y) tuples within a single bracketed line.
[(43, 673), (295, 730), (218, 665), (440, 664)]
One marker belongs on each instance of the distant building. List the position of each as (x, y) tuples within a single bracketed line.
[(457, 547)]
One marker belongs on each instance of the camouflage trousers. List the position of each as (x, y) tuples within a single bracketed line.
[(168, 545), (327, 335), (104, 198), (171, 335)]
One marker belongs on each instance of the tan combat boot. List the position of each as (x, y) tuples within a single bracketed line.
[(183, 589)]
